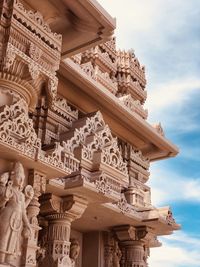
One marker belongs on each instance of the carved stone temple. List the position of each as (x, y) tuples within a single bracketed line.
[(75, 146)]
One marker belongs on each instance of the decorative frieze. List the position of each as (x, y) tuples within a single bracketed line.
[(62, 107), (36, 20), (96, 182), (30, 50)]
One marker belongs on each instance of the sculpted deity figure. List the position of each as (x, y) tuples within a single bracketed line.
[(116, 255), (74, 251), (13, 218)]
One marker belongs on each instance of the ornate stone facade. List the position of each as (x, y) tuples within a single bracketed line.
[(75, 146)]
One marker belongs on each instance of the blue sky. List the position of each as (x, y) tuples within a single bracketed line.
[(165, 35)]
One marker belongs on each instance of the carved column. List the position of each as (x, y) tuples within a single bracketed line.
[(134, 254), (38, 182), (132, 242), (60, 212)]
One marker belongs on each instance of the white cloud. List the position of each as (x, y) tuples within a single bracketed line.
[(178, 250), (173, 256), (184, 238), (173, 94), (167, 186), (169, 102), (132, 15)]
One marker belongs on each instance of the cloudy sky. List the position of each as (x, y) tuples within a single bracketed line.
[(165, 35)]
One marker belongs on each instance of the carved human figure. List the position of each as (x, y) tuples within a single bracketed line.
[(13, 218), (74, 251), (3, 181), (116, 255)]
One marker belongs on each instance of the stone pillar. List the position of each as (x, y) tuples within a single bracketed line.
[(60, 212), (38, 182), (133, 245), (134, 254)]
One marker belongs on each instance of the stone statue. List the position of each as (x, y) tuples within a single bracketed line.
[(13, 218), (74, 251), (116, 255)]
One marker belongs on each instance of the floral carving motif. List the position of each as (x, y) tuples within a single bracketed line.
[(35, 52), (102, 185), (90, 126), (15, 125), (88, 69), (123, 205), (112, 156)]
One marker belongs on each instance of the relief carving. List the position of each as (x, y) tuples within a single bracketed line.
[(117, 255), (74, 251), (13, 217), (35, 52), (112, 252)]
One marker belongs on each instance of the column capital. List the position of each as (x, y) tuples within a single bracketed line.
[(125, 232), (132, 233), (54, 207)]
